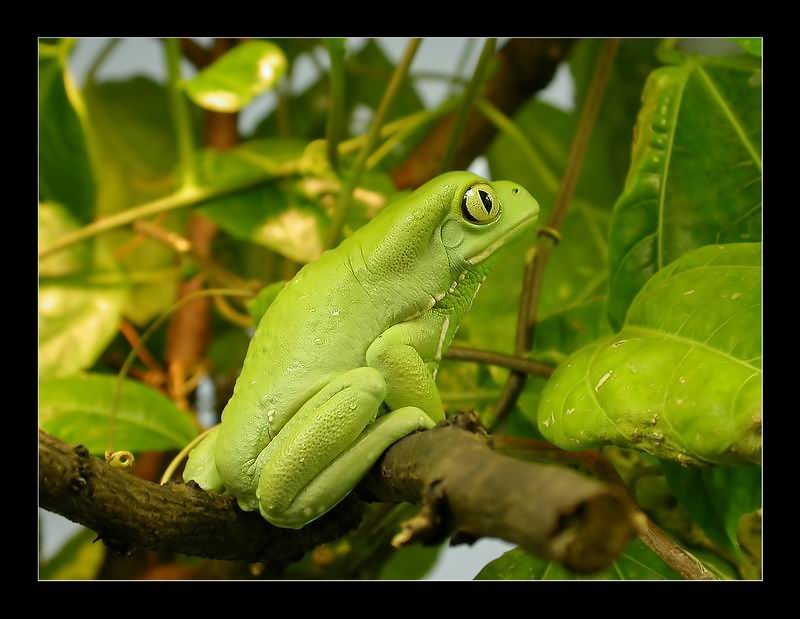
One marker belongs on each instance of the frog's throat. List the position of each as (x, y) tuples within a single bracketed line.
[(498, 243), (476, 274)]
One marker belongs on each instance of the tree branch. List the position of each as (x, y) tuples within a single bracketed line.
[(464, 486)]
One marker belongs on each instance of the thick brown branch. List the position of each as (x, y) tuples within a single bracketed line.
[(549, 510), (525, 66), (128, 512)]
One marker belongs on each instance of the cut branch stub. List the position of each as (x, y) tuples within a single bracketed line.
[(548, 510)]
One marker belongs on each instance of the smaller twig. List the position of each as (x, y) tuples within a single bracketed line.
[(230, 314), (518, 364), (132, 336)]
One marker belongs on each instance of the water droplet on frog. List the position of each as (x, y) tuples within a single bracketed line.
[(335, 311), (318, 340), (681, 380), (688, 292), (736, 295), (570, 411)]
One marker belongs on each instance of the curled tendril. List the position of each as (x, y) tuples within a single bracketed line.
[(120, 460)]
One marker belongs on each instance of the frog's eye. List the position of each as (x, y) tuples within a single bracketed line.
[(480, 204)]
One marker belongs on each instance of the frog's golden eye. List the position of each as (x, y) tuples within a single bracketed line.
[(480, 204)]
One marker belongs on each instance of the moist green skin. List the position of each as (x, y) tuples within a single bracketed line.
[(343, 362)]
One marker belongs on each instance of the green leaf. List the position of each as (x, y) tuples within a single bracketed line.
[(637, 562), (65, 174), (751, 45), (77, 409), (131, 131), (80, 558), (682, 379), (717, 498), (261, 302), (695, 177), (236, 78), (78, 315), (411, 562)]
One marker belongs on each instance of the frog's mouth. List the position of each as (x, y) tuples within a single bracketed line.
[(500, 241)]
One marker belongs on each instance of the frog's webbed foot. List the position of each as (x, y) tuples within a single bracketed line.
[(326, 448)]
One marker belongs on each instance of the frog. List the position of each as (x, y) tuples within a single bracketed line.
[(343, 362)]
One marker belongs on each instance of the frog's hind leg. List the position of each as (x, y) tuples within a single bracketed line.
[(343, 474), (201, 466), (324, 427)]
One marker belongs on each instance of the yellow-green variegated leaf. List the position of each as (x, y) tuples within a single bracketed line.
[(682, 378), (80, 302), (236, 78)]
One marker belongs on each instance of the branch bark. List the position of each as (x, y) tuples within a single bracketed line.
[(465, 488)]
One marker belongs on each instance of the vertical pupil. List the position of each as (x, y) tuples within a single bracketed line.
[(487, 201)]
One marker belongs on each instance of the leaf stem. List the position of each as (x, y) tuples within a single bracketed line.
[(336, 51), (478, 77), (179, 111), (343, 202), (101, 57)]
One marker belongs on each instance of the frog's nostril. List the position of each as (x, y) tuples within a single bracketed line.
[(515, 190)]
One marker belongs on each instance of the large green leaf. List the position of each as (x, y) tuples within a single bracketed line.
[(77, 409), (232, 81), (717, 498), (682, 379), (79, 312), (65, 175), (637, 562), (80, 558), (132, 133), (695, 177)]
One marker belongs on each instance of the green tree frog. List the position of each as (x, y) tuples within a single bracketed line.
[(343, 362)]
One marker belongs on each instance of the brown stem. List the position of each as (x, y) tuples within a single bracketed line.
[(198, 55), (518, 364), (549, 235), (525, 66)]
